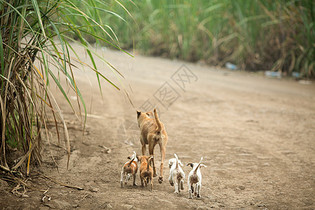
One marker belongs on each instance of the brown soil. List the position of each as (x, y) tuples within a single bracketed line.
[(256, 135)]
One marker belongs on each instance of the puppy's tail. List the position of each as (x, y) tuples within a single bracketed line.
[(149, 161), (158, 122), (134, 157), (176, 163), (198, 165), (130, 161)]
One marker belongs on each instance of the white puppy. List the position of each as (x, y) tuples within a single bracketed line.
[(177, 174), (195, 177), (129, 168)]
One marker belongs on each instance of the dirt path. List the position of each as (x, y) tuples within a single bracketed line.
[(256, 136)]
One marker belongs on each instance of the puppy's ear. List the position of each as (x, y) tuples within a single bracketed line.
[(203, 165), (190, 164), (138, 113)]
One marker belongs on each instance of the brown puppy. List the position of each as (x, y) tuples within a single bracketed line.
[(146, 172), (152, 132)]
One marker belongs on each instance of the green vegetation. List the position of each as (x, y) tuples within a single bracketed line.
[(254, 34), (35, 51)]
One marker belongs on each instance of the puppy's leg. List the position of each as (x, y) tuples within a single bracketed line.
[(122, 178), (176, 187), (190, 190), (127, 178), (198, 187), (182, 184), (162, 148), (151, 182), (134, 179), (170, 179), (142, 184)]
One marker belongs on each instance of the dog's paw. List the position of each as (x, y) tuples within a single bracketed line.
[(135, 184), (160, 179)]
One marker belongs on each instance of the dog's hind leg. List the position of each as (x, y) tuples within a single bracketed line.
[(170, 179), (182, 184), (134, 179), (162, 148), (151, 183), (143, 145), (190, 190), (151, 152), (198, 187)]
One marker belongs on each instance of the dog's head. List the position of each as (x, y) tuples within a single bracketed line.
[(144, 115)]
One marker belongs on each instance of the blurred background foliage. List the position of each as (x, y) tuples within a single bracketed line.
[(253, 34)]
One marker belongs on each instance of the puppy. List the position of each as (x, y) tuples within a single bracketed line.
[(146, 171), (177, 175), (195, 177), (129, 168), (152, 133)]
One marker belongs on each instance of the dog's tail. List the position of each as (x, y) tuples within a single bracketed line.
[(176, 162), (131, 161), (149, 161), (198, 165), (158, 122), (134, 157)]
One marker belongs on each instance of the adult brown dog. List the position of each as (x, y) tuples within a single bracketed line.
[(146, 172), (152, 133)]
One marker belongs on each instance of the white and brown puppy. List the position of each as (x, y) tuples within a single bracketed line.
[(129, 168), (177, 175), (152, 133), (195, 177)]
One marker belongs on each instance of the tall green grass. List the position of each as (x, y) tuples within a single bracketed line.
[(254, 34), (36, 37)]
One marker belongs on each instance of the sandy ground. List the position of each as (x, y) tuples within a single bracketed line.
[(256, 135)]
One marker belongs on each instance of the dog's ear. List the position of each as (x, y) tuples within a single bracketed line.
[(138, 114), (190, 164), (203, 165)]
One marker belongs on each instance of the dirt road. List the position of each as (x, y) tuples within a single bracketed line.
[(256, 134)]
